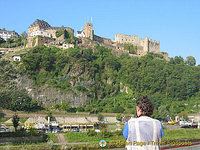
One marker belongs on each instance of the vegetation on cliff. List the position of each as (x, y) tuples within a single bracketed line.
[(113, 83), (12, 97)]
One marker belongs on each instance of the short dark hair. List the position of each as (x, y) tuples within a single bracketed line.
[(145, 105)]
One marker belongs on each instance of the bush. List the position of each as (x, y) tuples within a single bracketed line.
[(91, 133), (105, 134), (119, 117), (100, 117)]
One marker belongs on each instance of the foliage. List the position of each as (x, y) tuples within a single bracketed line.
[(112, 83), (162, 113), (1, 113), (131, 48), (190, 60), (10, 42), (119, 117), (15, 121), (100, 117), (91, 133), (59, 33), (49, 114)]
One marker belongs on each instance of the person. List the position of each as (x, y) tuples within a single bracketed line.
[(143, 132)]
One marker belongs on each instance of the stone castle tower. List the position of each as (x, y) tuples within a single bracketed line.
[(88, 31)]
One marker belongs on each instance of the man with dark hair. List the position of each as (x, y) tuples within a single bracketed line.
[(143, 132)]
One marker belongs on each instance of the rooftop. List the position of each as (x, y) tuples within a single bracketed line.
[(41, 23)]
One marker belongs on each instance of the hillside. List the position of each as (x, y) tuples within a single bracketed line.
[(74, 78)]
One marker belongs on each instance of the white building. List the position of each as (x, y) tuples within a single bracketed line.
[(66, 46), (80, 34), (41, 33), (8, 34), (16, 58)]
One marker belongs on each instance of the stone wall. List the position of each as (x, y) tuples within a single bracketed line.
[(42, 40), (144, 45), (53, 30), (102, 40)]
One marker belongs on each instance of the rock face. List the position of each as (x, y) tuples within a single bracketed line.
[(49, 96)]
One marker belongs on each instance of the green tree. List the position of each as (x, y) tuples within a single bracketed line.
[(190, 60), (162, 112), (1, 113), (21, 101), (119, 117), (100, 117), (15, 121)]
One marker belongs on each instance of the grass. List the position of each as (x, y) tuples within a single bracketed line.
[(181, 134), (169, 134), (83, 137), (52, 137), (23, 119), (4, 119)]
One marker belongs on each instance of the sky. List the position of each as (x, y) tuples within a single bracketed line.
[(175, 23)]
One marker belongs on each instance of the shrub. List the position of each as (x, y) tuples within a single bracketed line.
[(100, 117), (91, 133), (105, 134)]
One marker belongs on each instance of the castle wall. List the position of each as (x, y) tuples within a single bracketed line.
[(143, 45), (154, 46), (42, 40), (53, 30), (102, 40)]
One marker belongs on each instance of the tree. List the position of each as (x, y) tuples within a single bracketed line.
[(178, 60), (100, 117), (190, 60), (1, 113), (15, 121), (21, 101), (119, 117), (2, 40), (162, 112)]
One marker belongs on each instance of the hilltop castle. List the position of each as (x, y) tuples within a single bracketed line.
[(40, 32), (44, 33)]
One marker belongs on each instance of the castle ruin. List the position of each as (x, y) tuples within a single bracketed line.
[(144, 46)]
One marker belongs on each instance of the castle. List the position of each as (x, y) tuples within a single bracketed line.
[(40, 32), (144, 46)]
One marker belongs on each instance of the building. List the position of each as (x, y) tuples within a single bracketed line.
[(80, 34), (43, 29), (40, 33), (144, 46), (66, 46), (17, 58), (8, 34)]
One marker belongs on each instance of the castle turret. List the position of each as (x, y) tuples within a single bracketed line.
[(88, 31)]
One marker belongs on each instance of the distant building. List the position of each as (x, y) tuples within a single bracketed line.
[(41, 33), (16, 58), (80, 34), (66, 46), (8, 34), (45, 31)]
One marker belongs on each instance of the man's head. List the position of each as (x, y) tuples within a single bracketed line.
[(144, 106)]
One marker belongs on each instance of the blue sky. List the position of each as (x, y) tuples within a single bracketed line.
[(175, 23)]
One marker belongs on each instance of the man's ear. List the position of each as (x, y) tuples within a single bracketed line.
[(138, 109)]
